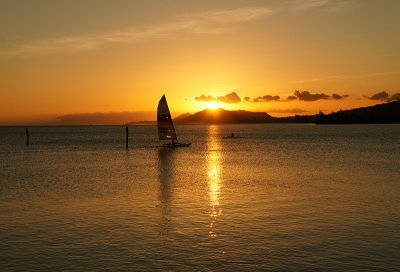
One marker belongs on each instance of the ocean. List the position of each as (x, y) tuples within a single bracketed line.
[(280, 197)]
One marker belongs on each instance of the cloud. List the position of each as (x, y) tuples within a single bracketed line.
[(342, 6), (301, 95), (308, 4), (338, 96), (229, 98), (346, 77), (203, 98), (231, 16), (384, 96), (307, 96), (232, 98), (328, 5), (211, 22), (378, 96), (293, 110), (395, 96), (267, 98)]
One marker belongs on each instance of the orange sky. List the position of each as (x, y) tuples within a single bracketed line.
[(71, 57)]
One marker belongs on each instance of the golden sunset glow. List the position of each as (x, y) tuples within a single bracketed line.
[(123, 56), (214, 174)]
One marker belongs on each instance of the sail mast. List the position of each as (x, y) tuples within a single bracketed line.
[(173, 127)]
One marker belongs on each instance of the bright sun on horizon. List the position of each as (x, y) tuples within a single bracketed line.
[(212, 105)]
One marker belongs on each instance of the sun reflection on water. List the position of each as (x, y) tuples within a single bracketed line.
[(214, 167)]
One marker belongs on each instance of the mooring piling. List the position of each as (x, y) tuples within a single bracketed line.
[(27, 136), (127, 134)]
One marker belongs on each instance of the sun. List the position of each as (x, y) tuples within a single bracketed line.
[(212, 105)]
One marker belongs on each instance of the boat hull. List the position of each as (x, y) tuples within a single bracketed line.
[(174, 145)]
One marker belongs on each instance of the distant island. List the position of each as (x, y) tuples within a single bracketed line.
[(378, 114)]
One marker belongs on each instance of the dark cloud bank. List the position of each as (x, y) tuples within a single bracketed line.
[(299, 95), (266, 98), (384, 96), (306, 96), (232, 98)]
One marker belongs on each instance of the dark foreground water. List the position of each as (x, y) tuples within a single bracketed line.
[(281, 198)]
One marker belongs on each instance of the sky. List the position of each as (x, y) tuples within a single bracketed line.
[(111, 61)]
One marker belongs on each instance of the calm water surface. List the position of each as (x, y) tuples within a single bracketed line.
[(280, 198)]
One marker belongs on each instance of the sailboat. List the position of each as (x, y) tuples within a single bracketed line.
[(166, 129)]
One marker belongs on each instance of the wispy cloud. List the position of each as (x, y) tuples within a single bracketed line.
[(232, 15), (307, 4), (342, 6), (211, 22), (345, 77), (329, 5)]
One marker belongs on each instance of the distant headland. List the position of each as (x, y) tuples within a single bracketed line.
[(378, 114)]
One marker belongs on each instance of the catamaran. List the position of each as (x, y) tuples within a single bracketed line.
[(166, 129)]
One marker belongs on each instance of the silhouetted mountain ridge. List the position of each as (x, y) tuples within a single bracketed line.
[(380, 113), (221, 116)]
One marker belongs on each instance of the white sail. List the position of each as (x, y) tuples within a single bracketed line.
[(166, 130)]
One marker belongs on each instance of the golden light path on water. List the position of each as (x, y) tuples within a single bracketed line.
[(214, 167)]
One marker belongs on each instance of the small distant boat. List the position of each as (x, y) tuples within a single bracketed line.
[(166, 129), (232, 136)]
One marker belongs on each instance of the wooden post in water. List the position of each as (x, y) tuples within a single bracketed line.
[(127, 134), (27, 136)]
